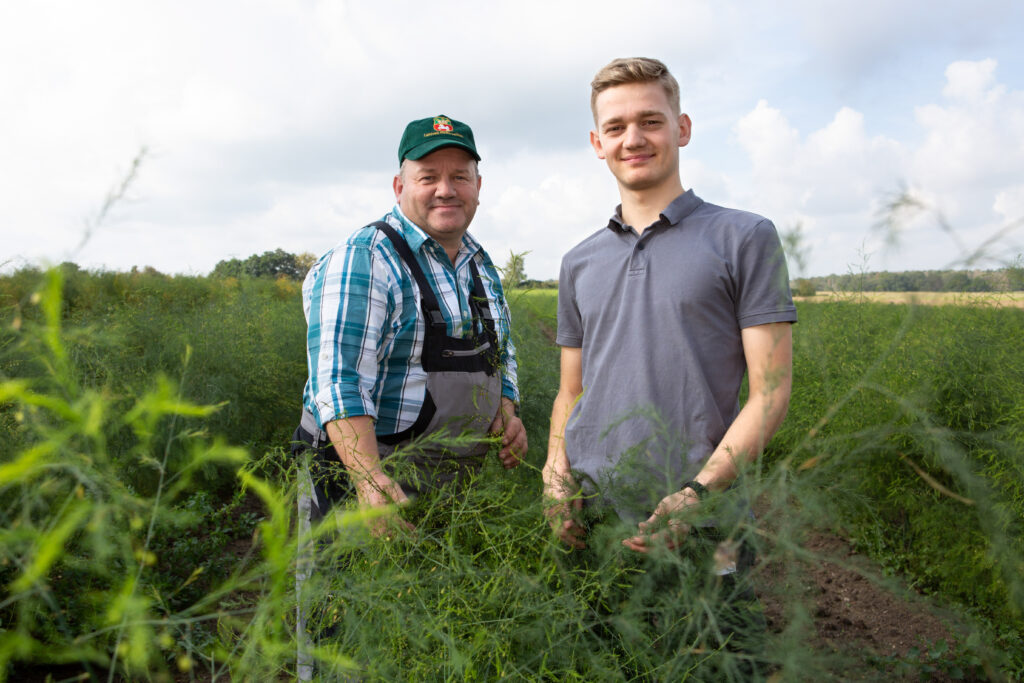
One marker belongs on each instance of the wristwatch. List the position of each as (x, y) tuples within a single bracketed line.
[(698, 488)]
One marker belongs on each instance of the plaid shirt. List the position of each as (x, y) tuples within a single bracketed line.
[(365, 330)]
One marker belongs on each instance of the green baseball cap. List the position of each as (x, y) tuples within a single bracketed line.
[(423, 136)]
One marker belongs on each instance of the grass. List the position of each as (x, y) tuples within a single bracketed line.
[(135, 409)]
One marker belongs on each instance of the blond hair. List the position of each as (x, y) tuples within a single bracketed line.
[(634, 70)]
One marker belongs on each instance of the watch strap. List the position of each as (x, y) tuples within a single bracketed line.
[(698, 488)]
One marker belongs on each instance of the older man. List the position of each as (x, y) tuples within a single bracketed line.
[(408, 343)]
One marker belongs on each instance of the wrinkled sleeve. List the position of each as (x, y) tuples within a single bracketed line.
[(509, 364), (763, 279), (570, 323), (348, 308)]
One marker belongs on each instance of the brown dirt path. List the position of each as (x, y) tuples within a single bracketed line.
[(859, 617)]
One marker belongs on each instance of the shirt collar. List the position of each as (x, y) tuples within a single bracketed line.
[(680, 207), (416, 237)]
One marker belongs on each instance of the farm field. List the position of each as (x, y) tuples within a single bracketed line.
[(147, 502), (993, 299)]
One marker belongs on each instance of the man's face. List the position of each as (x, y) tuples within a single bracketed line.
[(439, 193), (639, 135)]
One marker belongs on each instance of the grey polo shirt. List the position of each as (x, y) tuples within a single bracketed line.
[(658, 318)]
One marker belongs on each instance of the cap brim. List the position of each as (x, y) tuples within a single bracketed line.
[(423, 149)]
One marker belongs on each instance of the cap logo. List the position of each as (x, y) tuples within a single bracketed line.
[(443, 124)]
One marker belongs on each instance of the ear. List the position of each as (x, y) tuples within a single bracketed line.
[(595, 142), (685, 128), (397, 186)]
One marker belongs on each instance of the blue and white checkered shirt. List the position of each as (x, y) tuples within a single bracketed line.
[(365, 330)]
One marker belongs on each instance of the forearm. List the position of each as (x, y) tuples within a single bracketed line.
[(745, 439), (355, 441), (556, 472)]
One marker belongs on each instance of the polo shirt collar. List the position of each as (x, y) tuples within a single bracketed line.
[(416, 237), (680, 207)]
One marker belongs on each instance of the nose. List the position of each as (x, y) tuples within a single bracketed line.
[(445, 188), (634, 137)]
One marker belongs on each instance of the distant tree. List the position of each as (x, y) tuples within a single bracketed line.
[(955, 281), (895, 282), (305, 261), (978, 284), (228, 268), (804, 287), (931, 281), (1015, 274), (274, 264), (514, 273)]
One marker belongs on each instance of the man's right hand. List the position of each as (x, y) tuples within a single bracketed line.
[(563, 508), (356, 443), (380, 490)]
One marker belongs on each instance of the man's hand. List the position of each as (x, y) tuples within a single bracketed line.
[(379, 490), (513, 434), (562, 508), (664, 528)]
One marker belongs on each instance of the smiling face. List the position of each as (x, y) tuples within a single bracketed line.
[(639, 135), (440, 193)]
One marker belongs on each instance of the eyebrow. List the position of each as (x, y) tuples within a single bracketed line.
[(434, 169), (642, 115)]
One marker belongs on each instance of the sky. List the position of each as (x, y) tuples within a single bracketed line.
[(259, 125)]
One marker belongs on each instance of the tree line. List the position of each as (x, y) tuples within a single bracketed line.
[(1008, 279), (282, 264)]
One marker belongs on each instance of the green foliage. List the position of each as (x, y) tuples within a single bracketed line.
[(804, 287), (999, 280), (122, 512), (513, 274), (272, 264), (82, 580), (910, 420)]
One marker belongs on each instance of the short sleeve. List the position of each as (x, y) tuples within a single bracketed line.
[(570, 324), (763, 294)]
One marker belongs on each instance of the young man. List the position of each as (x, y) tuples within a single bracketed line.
[(660, 315), (408, 337)]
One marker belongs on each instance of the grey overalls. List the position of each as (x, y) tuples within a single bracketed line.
[(463, 395)]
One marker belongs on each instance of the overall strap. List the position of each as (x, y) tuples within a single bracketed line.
[(428, 302), (478, 302)]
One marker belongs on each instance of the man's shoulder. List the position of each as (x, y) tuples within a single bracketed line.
[(366, 237), (723, 216), (588, 246), (362, 246)]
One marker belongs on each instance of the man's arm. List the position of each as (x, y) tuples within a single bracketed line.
[(768, 350), (559, 488), (356, 444), (513, 434)]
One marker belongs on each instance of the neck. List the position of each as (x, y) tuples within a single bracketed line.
[(640, 208)]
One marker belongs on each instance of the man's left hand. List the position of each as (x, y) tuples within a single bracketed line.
[(513, 434), (664, 528)]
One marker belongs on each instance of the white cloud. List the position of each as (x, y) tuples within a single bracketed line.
[(274, 124), (835, 180)]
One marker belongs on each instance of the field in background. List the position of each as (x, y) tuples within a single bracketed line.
[(134, 407), (996, 299)]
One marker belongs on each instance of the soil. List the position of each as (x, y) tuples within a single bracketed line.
[(868, 621)]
